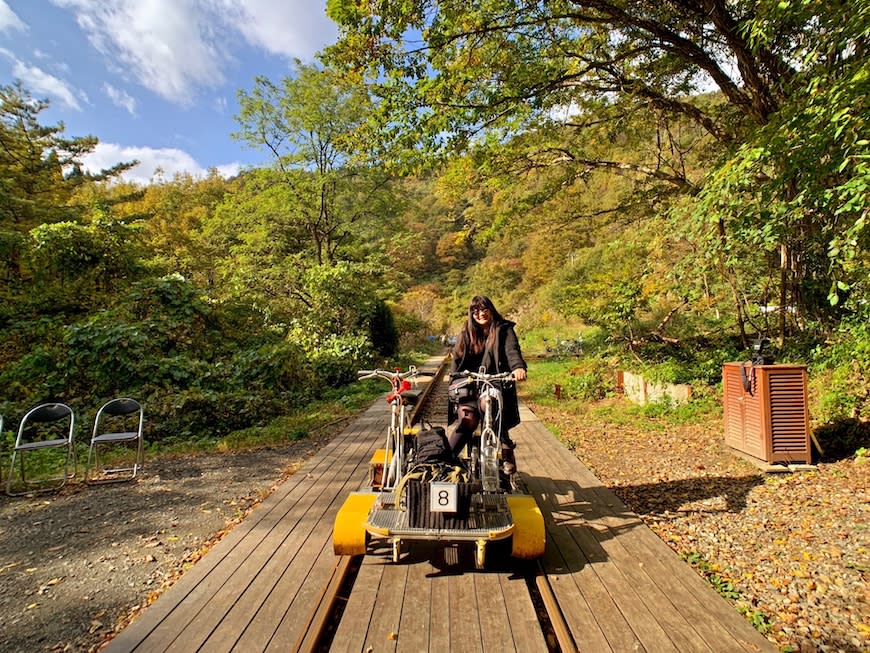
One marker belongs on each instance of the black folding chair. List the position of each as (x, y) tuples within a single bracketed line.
[(46, 427), (118, 423)]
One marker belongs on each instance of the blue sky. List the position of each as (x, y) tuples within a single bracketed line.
[(156, 80)]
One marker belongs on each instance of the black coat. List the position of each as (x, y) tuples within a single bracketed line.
[(506, 356)]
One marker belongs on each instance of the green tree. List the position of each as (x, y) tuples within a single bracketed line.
[(93, 257), (797, 188), (39, 168), (706, 100), (450, 70), (308, 124), (177, 211)]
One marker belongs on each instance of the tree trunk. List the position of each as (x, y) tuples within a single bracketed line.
[(783, 290), (731, 278)]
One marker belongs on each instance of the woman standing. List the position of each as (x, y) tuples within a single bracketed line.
[(488, 341)]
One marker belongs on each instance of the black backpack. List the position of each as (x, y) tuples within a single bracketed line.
[(431, 447)]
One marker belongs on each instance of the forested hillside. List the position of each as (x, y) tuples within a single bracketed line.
[(679, 179)]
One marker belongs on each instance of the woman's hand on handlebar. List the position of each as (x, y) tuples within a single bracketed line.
[(520, 374)]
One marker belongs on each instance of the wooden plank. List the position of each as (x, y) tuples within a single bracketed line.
[(714, 620), (208, 576), (298, 576), (689, 611), (383, 630), (279, 593), (567, 565), (493, 617), (440, 619), (522, 615), (354, 625), (583, 594), (244, 587), (415, 625), (464, 610), (618, 586), (320, 618), (629, 594)]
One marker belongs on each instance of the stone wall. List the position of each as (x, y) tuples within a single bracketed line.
[(640, 391)]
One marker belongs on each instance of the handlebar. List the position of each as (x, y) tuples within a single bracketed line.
[(483, 376), (387, 375)]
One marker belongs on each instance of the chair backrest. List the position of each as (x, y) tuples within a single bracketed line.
[(45, 414), (48, 413), (123, 413), (122, 406)]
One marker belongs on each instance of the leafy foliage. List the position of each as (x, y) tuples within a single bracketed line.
[(39, 168), (634, 184)]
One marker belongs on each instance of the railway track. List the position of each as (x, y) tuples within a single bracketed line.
[(326, 617), (605, 582)]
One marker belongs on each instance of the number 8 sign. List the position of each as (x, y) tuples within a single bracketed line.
[(443, 497)]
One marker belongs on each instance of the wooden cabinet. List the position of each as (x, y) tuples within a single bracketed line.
[(766, 413)]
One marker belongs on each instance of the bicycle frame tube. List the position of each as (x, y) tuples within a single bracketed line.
[(489, 439), (395, 444)]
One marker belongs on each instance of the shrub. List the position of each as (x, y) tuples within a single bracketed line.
[(590, 380)]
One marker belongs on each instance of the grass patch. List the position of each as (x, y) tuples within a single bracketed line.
[(586, 381), (336, 405)]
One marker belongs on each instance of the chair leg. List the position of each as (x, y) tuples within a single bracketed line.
[(11, 474), (28, 487), (88, 463), (93, 466)]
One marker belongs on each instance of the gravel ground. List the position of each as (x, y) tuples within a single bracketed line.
[(78, 565), (791, 551)]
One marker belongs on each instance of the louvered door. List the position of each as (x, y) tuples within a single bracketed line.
[(770, 421)]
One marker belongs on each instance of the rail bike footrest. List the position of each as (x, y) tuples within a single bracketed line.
[(488, 518)]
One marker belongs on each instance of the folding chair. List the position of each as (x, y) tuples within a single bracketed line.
[(48, 426), (118, 422)]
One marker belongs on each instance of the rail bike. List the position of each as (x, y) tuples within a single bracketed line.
[(419, 490)]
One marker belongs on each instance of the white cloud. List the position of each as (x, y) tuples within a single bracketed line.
[(8, 20), (176, 47), (120, 98), (154, 163), (228, 170), (288, 28), (39, 82), (168, 45)]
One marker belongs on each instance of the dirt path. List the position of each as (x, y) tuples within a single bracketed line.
[(76, 565)]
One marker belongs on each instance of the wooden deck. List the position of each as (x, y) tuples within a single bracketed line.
[(609, 584)]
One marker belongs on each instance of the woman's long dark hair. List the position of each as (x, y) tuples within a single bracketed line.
[(474, 336)]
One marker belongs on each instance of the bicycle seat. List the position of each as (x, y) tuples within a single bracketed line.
[(410, 397)]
